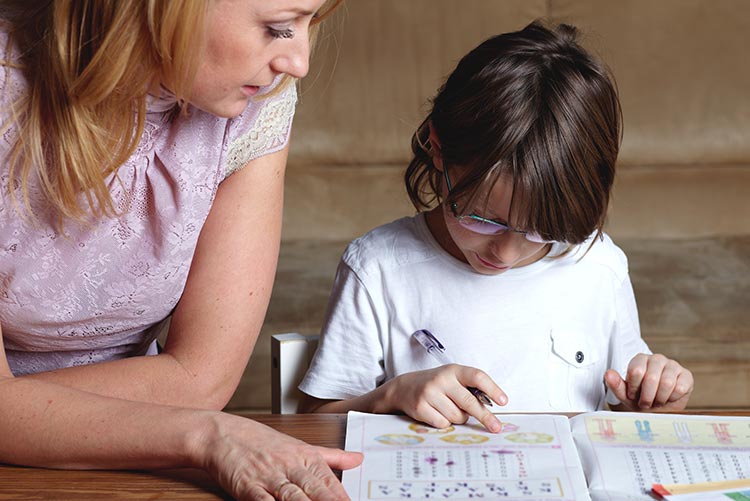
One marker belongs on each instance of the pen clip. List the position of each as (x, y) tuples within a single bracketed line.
[(429, 341)]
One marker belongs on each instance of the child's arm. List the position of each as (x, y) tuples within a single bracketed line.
[(437, 397), (653, 383)]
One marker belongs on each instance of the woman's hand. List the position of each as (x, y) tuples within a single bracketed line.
[(439, 397), (254, 462), (653, 383)]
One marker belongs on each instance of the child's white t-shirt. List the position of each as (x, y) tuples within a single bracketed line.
[(545, 332)]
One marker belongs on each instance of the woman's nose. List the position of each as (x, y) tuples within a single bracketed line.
[(295, 59)]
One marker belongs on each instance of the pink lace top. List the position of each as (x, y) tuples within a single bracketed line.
[(100, 293)]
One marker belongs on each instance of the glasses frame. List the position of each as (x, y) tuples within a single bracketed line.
[(502, 228)]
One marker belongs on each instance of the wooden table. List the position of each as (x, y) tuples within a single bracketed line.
[(185, 484), (188, 484)]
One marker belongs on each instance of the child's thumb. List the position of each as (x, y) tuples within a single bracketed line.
[(616, 384)]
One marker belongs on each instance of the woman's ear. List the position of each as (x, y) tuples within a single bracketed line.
[(437, 157)]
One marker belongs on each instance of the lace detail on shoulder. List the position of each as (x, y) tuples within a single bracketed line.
[(268, 134)]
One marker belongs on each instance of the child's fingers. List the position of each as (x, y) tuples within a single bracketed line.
[(440, 413), (684, 386), (473, 377), (434, 419), (682, 390), (497, 395), (636, 372), (651, 380), (468, 401), (470, 404), (669, 391), (617, 385), (447, 406)]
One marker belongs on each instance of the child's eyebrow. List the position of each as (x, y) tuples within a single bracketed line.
[(492, 217), (486, 212)]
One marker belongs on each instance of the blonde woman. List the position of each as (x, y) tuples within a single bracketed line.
[(141, 173)]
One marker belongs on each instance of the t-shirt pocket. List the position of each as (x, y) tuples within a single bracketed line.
[(576, 373)]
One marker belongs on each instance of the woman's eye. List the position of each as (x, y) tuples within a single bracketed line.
[(278, 32)]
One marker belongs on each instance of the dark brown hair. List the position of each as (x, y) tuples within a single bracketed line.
[(534, 107)]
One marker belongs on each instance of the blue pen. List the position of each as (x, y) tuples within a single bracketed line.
[(435, 348)]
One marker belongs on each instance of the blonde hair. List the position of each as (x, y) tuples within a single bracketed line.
[(89, 65)]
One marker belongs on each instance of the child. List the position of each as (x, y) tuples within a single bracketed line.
[(509, 266)]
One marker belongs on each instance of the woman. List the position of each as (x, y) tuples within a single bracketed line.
[(105, 231)]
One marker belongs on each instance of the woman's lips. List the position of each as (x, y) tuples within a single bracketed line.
[(250, 90)]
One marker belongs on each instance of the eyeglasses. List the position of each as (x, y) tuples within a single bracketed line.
[(484, 226)]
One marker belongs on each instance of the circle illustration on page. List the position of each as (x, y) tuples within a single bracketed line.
[(429, 430), (505, 427), (530, 437), (398, 439), (465, 438)]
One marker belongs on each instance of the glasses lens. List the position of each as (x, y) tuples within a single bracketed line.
[(481, 226), (536, 238)]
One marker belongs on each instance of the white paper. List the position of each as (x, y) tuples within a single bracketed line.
[(532, 458), (624, 454)]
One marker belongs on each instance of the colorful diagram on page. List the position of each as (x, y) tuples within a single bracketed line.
[(631, 452), (464, 461), (667, 431)]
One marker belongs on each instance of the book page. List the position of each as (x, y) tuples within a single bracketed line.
[(533, 457), (720, 495), (624, 454)]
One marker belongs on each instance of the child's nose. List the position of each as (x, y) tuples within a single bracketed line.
[(507, 248)]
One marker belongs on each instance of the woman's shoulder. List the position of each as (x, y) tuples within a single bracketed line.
[(217, 144), (263, 127)]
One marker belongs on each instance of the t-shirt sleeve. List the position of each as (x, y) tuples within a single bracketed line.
[(263, 127), (349, 359), (626, 341)]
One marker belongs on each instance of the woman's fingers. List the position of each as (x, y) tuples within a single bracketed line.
[(255, 462), (338, 459)]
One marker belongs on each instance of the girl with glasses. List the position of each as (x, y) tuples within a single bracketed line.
[(506, 263)]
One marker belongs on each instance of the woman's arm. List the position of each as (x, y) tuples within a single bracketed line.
[(55, 426), (44, 424), (217, 321)]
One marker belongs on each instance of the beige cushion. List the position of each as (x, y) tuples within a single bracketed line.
[(681, 66), (684, 79)]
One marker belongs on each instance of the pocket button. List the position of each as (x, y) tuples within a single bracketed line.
[(579, 357)]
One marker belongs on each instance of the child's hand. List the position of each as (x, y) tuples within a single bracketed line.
[(653, 383), (439, 396)]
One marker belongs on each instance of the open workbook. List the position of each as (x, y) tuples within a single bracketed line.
[(598, 456)]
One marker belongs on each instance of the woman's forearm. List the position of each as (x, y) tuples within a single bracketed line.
[(159, 379), (60, 427)]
